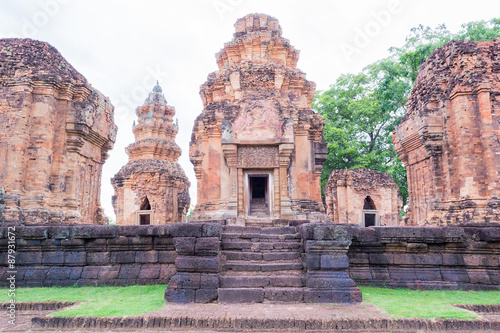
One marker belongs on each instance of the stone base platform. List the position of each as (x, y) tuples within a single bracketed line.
[(264, 318)]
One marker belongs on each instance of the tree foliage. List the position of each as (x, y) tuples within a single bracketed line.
[(361, 110)]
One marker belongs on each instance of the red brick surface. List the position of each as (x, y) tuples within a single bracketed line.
[(55, 132), (449, 139), (152, 171)]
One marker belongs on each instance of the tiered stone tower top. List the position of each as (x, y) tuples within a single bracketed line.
[(152, 180), (258, 62), (257, 119), (155, 131)]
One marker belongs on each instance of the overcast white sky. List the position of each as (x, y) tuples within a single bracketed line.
[(123, 47)]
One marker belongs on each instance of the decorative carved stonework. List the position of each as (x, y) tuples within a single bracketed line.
[(258, 115), (153, 177), (258, 157)]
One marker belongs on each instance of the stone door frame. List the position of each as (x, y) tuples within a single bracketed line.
[(247, 173), (139, 213), (370, 211)]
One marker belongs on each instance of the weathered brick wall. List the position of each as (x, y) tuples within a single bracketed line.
[(90, 255), (449, 138), (347, 189), (55, 134), (426, 257)]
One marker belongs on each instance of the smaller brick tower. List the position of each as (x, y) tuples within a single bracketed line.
[(152, 188)]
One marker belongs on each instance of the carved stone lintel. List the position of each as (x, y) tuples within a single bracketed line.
[(258, 157)]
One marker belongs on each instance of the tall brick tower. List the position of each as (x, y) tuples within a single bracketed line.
[(449, 139), (55, 134), (258, 147), (152, 188)]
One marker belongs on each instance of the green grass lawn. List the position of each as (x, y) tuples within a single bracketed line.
[(136, 300), (101, 301), (405, 303)]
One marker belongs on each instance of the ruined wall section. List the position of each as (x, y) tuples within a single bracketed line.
[(55, 132), (347, 189), (68, 255), (454, 258), (449, 139)]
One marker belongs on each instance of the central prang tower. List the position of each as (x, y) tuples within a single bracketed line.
[(257, 147)]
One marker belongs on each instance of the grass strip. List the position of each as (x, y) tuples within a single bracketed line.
[(100, 301), (407, 303)]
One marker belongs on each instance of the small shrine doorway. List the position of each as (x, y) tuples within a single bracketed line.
[(144, 216), (258, 189), (370, 216)]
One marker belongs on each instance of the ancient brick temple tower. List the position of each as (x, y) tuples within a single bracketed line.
[(449, 139), (363, 197), (55, 132), (152, 187), (257, 147)]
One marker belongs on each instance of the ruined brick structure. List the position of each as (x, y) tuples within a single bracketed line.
[(258, 147), (363, 197), (449, 138), (152, 188), (55, 132)]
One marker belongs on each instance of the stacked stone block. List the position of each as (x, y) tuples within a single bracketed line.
[(90, 255), (197, 264), (326, 262), (261, 264), (422, 258)]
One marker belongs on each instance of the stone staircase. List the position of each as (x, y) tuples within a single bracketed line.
[(259, 207), (261, 265)]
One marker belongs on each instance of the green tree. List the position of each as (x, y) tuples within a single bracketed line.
[(361, 110)]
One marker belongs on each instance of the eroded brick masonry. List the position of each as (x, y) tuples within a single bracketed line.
[(55, 132), (152, 187), (449, 138), (258, 147), (363, 197)]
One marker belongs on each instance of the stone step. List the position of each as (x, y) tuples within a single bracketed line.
[(254, 281), (257, 230), (267, 256), (259, 295), (256, 224), (262, 266), (262, 238), (260, 246)]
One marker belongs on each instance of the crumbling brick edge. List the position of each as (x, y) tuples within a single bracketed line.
[(38, 306), (142, 322), (480, 308)]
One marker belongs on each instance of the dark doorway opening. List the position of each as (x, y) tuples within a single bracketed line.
[(145, 219), (370, 212), (369, 220), (259, 198)]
